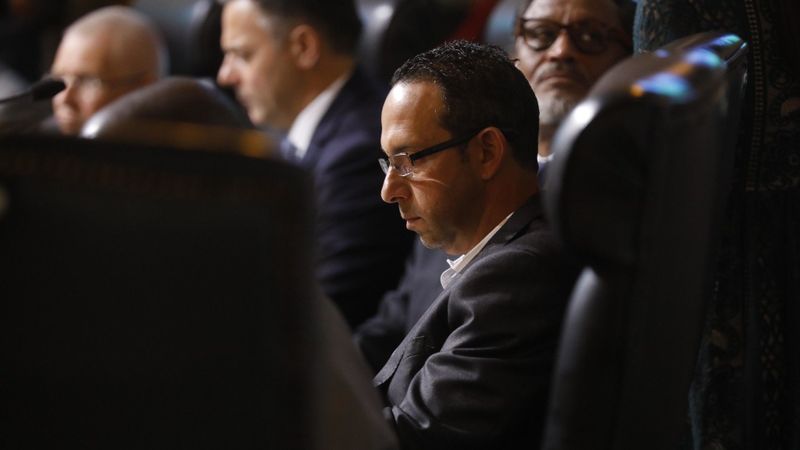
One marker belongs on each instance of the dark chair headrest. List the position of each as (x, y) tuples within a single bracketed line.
[(177, 111), (615, 152), (191, 29)]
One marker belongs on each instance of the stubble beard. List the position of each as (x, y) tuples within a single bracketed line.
[(436, 239), (554, 107)]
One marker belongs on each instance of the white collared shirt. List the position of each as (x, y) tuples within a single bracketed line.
[(449, 275), (306, 122), (544, 159)]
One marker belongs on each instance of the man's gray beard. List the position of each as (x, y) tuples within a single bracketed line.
[(553, 108)]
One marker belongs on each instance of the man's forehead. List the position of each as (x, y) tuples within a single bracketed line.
[(82, 53), (410, 113), (568, 11), (418, 99)]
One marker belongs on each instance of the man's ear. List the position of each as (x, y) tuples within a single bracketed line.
[(493, 150), (304, 46)]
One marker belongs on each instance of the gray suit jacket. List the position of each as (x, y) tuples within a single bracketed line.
[(474, 371)]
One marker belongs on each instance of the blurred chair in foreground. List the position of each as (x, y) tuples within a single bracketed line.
[(181, 112), (640, 176), (162, 296), (152, 298)]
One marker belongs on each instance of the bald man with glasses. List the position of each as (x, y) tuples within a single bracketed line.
[(103, 56)]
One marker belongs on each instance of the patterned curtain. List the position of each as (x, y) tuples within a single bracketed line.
[(746, 391)]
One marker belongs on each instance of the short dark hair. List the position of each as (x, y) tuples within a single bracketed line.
[(480, 87), (337, 20), (626, 10)]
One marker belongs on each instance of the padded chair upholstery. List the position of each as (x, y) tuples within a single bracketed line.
[(153, 298), (174, 99), (636, 190), (192, 31), (182, 112), (395, 30)]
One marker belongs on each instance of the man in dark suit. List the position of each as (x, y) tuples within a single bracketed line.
[(292, 65), (460, 128)]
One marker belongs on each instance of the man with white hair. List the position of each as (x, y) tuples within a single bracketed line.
[(102, 56)]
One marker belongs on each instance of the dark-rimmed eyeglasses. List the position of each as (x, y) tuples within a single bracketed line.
[(588, 36), (93, 84), (403, 163)]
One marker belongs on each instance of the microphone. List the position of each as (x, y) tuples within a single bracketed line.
[(41, 90)]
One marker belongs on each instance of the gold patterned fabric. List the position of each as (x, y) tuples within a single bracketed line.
[(746, 391)]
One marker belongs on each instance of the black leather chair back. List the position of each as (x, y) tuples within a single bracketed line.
[(152, 298), (636, 190), (395, 30), (191, 29)]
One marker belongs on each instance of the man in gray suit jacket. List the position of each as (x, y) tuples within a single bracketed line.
[(460, 130)]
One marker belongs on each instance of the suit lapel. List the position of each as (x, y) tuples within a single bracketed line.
[(397, 355), (516, 225)]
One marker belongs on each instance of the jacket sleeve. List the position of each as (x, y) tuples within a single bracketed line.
[(400, 309)]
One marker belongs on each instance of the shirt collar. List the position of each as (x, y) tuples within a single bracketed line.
[(306, 122), (543, 159), (449, 275)]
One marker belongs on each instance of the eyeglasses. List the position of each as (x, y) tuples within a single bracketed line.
[(94, 84), (588, 36), (403, 163)]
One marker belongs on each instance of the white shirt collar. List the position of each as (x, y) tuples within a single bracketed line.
[(306, 122), (449, 275), (543, 159)]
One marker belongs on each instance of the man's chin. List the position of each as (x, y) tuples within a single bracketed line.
[(434, 244), (554, 106), (256, 116), (70, 127), (429, 243)]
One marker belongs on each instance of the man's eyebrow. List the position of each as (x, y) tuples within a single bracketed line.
[(402, 149), (232, 48)]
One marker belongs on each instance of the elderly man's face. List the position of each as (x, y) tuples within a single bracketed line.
[(258, 64), (562, 74), (437, 199), (94, 77)]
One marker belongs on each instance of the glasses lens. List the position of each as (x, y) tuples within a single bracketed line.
[(590, 37), (538, 35), (399, 162)]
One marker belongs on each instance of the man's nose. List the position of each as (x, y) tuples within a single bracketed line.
[(562, 48), (67, 96), (227, 76), (395, 187)]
